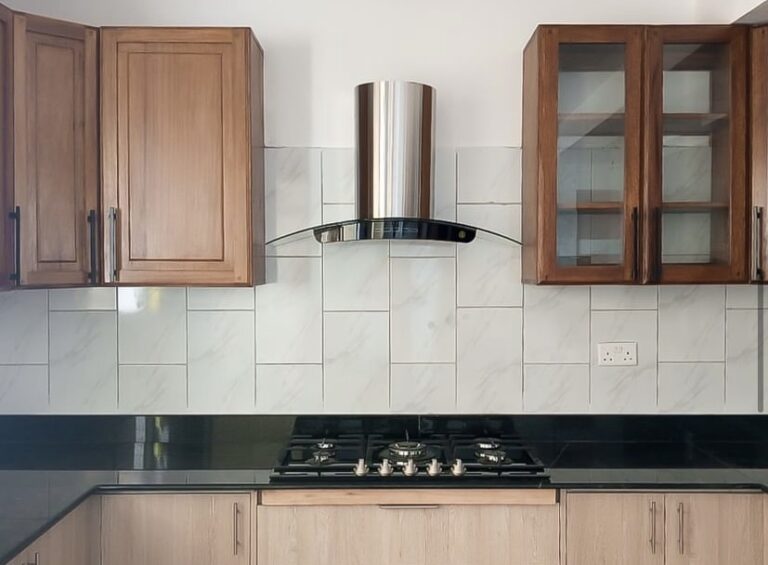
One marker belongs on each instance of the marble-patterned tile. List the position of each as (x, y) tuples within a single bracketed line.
[(152, 389), (629, 297), (489, 360), (422, 249), (23, 389), (686, 238), (289, 389), (289, 322), (423, 310), (356, 276), (594, 91), (687, 174), (24, 327), (556, 324), (90, 298), (607, 174), (574, 174), (489, 268), (293, 198), (220, 298), (692, 323), (741, 361), (338, 213), (741, 296), (356, 359), (489, 175), (153, 325), (338, 176), (83, 365), (625, 390), (444, 193), (687, 91), (691, 388), (556, 389), (428, 388), (221, 370)]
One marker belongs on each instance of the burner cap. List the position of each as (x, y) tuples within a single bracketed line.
[(320, 457), (407, 449), (491, 456), (325, 445), (487, 443)]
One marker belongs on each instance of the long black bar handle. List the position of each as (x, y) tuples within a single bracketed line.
[(93, 273), (16, 217), (659, 235), (636, 244)]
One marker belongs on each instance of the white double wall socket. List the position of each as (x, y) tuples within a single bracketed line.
[(617, 354)]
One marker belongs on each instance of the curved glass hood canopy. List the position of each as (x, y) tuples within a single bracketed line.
[(394, 152)]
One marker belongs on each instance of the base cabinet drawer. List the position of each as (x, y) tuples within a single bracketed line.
[(408, 535), (176, 529)]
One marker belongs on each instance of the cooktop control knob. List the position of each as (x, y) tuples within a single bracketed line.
[(458, 468), (410, 468), (361, 469), (434, 469), (385, 469)]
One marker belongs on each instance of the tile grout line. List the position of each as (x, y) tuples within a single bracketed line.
[(456, 288), (322, 283)]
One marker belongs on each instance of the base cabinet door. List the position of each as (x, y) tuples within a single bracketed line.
[(7, 266), (408, 535), (612, 528), (176, 529), (713, 529)]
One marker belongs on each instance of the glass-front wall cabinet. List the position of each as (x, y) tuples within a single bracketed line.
[(697, 184)]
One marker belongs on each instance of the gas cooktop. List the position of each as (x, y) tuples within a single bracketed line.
[(404, 457)]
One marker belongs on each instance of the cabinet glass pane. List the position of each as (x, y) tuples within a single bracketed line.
[(696, 154), (590, 154)]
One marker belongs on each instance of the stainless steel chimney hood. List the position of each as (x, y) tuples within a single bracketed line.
[(395, 154)]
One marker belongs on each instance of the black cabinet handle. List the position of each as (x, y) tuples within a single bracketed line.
[(636, 244), (93, 273), (16, 217)]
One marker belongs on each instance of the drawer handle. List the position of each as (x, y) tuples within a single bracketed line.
[(653, 527), (112, 217), (236, 526), (681, 528), (93, 273), (757, 242)]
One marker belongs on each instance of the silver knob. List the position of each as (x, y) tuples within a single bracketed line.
[(361, 469), (434, 468), (458, 468), (410, 468), (385, 469)]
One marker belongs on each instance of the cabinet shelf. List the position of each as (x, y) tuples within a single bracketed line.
[(612, 124), (591, 207), (692, 123), (682, 207)]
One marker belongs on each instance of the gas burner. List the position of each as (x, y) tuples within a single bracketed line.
[(321, 457), (407, 449), (491, 456), (487, 443), (325, 445)]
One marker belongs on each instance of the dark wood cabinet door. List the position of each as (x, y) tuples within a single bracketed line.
[(581, 155), (759, 151), (55, 149), (6, 156), (176, 156), (695, 168)]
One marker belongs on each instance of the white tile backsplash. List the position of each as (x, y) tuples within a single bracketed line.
[(398, 327), (692, 323), (153, 325), (83, 365), (23, 327), (221, 369), (356, 361)]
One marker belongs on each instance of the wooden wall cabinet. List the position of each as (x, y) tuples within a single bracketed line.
[(670, 529), (176, 529), (759, 151), (428, 528), (634, 140), (49, 159), (182, 156)]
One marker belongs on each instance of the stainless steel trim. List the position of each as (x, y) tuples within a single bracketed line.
[(409, 506), (653, 527), (236, 526), (112, 217), (680, 528), (395, 149), (757, 243)]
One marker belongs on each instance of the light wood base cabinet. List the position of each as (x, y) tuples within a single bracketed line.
[(669, 529), (419, 534), (176, 529)]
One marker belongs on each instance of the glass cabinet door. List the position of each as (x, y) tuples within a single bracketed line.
[(595, 200), (697, 132)]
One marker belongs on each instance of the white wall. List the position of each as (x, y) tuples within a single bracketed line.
[(318, 50)]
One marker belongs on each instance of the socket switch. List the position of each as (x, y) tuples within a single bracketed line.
[(617, 354)]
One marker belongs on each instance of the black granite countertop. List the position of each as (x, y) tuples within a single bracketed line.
[(49, 464)]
